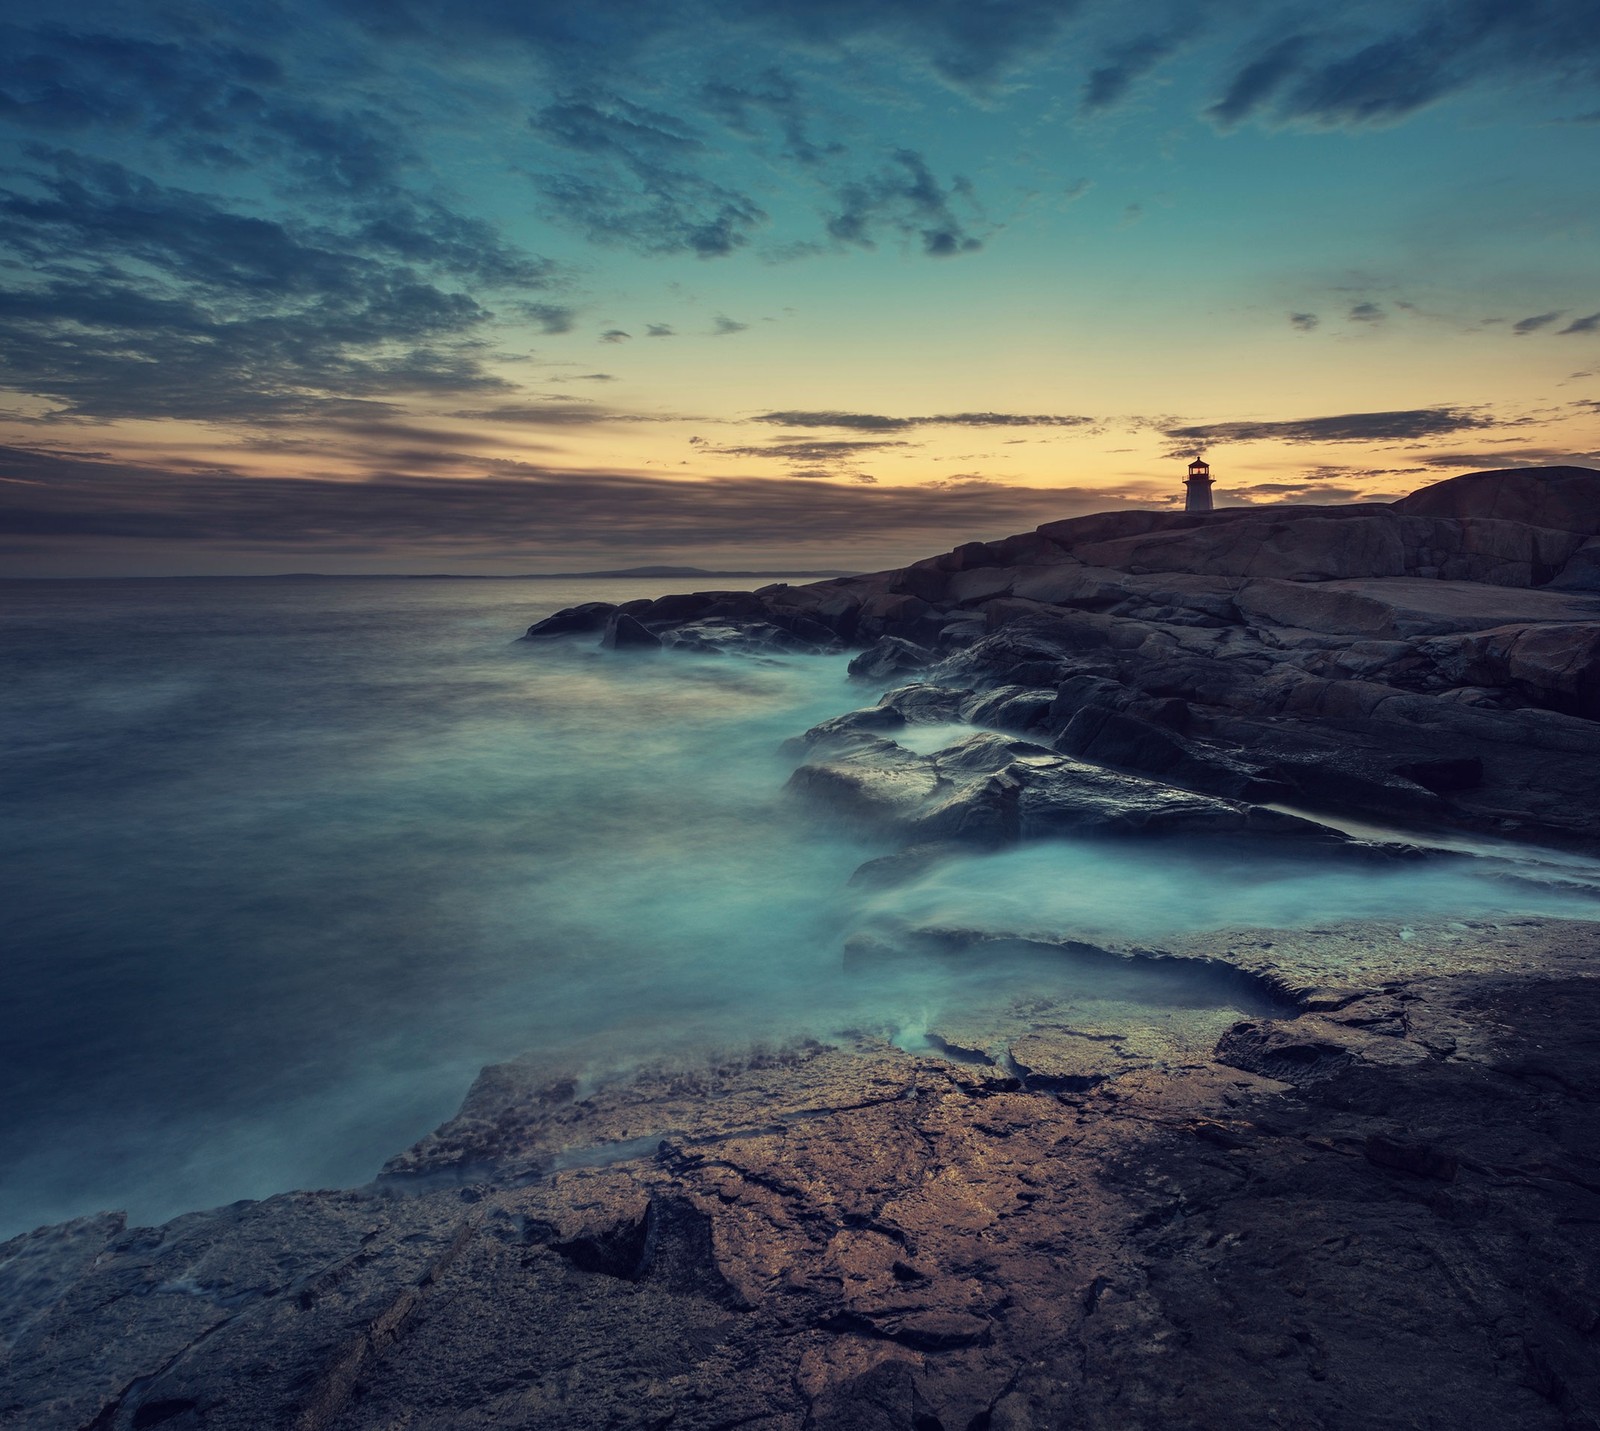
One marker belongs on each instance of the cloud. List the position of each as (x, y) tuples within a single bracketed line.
[(68, 498), (659, 330), (1590, 323), (874, 422), (907, 199), (550, 317), (641, 185), (1305, 322), (615, 335), (1257, 79), (1355, 73), (1123, 64), (1524, 326), (967, 46), (292, 238), (1367, 313), (647, 179), (776, 96), (1487, 459), (722, 326), (809, 452), (547, 414), (1346, 427), (134, 299), (201, 98)]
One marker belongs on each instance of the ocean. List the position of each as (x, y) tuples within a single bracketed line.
[(287, 861)]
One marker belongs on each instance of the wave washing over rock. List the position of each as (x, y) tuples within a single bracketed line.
[(1325, 1171)]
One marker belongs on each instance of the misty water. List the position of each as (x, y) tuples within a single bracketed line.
[(288, 861)]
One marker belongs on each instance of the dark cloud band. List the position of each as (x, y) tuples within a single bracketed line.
[(876, 422), (1346, 427), (512, 507)]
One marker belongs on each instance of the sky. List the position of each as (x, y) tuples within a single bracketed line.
[(503, 286)]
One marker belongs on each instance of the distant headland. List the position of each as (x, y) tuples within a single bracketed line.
[(632, 573)]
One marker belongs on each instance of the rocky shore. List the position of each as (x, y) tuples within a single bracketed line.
[(1434, 662), (1345, 1177)]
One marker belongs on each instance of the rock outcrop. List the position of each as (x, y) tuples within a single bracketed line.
[(1434, 662), (1374, 1204)]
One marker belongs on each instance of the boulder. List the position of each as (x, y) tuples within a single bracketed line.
[(589, 616), (870, 723), (1126, 741), (1483, 549), (888, 657), (899, 614), (1582, 571), (1019, 708), (624, 632), (1087, 588), (979, 584), (714, 635), (1314, 607), (1553, 665), (1565, 499), (924, 703)]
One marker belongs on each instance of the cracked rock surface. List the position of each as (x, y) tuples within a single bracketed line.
[(1376, 1205)]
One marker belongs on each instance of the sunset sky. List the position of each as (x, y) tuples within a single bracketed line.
[(501, 286)]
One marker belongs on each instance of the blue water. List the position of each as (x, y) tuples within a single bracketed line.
[(286, 862)]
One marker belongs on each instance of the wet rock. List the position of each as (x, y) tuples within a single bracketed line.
[(990, 789), (871, 722), (1066, 1061), (908, 864), (1020, 708), (888, 657), (589, 616), (923, 703), (715, 635), (624, 632), (1290, 1053), (898, 615), (1443, 774), (1128, 742)]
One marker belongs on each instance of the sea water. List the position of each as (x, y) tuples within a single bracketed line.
[(287, 861)]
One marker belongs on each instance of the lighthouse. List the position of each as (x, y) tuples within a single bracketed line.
[(1198, 486)]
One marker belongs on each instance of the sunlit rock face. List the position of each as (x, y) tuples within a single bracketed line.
[(1369, 1193)]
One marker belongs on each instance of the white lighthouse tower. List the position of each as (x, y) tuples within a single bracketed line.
[(1198, 487)]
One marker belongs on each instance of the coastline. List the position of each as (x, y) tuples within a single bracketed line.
[(1344, 1176)]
